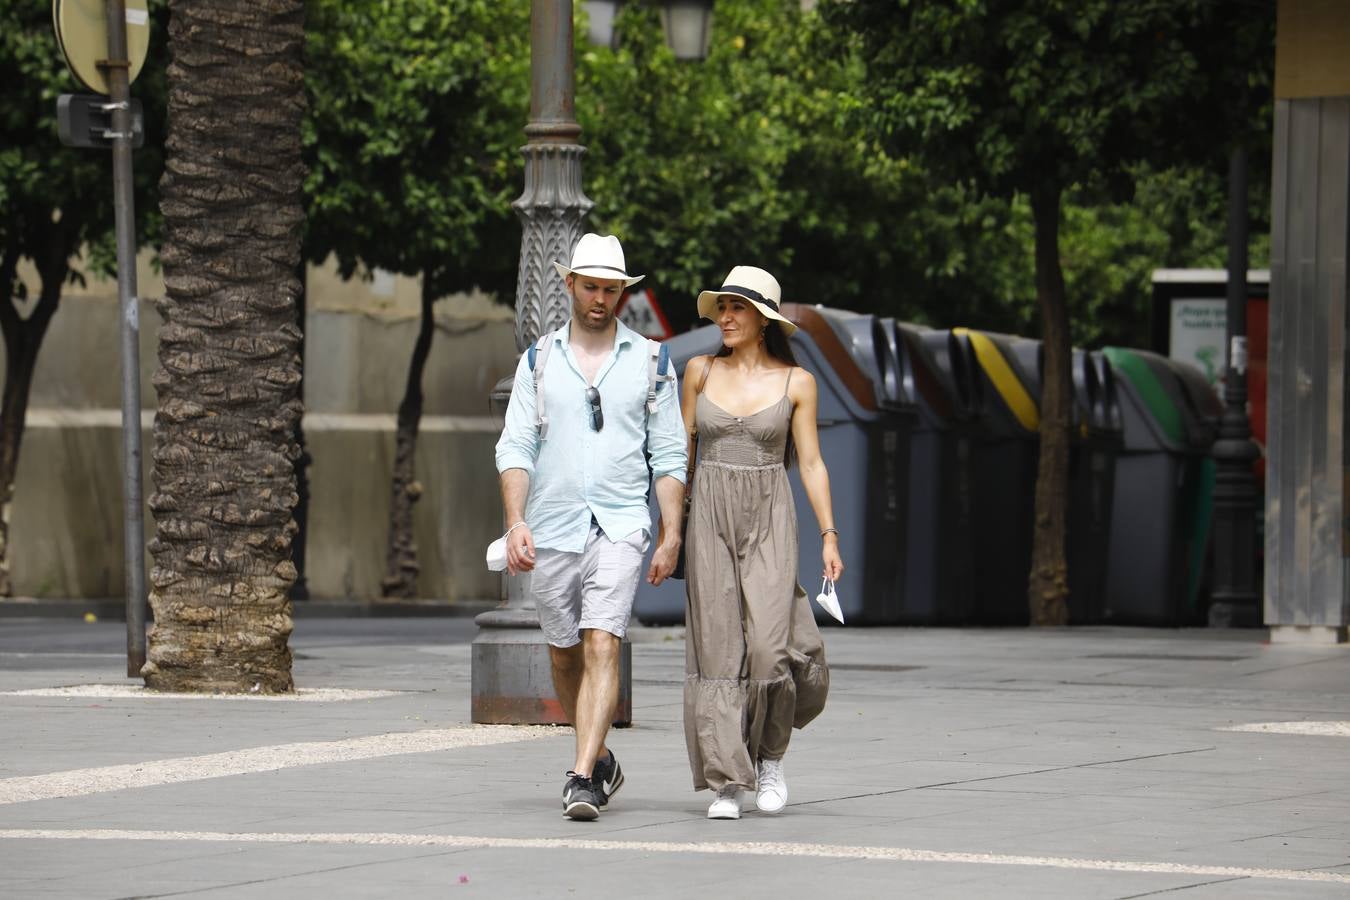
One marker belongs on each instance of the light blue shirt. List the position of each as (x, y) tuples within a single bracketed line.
[(577, 473)]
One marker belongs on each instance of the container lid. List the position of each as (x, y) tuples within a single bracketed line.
[(1010, 385)]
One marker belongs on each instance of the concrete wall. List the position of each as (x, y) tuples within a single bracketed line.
[(66, 538)]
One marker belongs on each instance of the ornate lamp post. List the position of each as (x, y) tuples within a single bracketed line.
[(512, 680), (1235, 598)]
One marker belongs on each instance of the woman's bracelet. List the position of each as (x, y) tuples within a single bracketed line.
[(833, 531), (512, 528)]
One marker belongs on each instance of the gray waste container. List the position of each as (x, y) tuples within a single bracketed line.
[(866, 449), (1094, 444), (940, 560), (1163, 498), (1007, 450)]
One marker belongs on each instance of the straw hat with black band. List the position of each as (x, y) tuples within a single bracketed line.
[(599, 256), (754, 285)]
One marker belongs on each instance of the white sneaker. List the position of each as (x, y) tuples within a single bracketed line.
[(727, 805), (772, 794)]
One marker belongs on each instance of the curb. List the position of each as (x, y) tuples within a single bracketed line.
[(114, 608)]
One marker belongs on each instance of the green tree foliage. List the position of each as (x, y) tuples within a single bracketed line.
[(743, 158), (769, 150), (416, 111), (55, 203), (1033, 99)]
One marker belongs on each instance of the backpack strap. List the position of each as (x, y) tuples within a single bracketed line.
[(658, 371), (538, 358)]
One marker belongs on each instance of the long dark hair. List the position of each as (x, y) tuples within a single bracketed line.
[(777, 345)]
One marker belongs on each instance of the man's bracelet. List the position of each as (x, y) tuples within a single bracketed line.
[(833, 531), (512, 528)]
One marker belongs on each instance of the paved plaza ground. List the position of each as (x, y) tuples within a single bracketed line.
[(1085, 762)]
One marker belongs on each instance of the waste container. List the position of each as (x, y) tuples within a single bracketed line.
[(866, 448), (1094, 448), (1006, 450), (940, 560), (863, 336), (1094, 444), (1164, 487)]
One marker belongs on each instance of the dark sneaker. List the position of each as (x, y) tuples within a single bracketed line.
[(607, 776), (580, 800)]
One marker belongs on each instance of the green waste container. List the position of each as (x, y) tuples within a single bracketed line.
[(1164, 489)]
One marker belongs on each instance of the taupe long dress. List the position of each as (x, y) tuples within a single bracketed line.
[(754, 660)]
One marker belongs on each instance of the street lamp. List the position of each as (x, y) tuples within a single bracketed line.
[(687, 25), (601, 15), (1235, 600)]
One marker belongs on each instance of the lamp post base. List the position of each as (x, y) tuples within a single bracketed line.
[(1230, 614), (513, 679)]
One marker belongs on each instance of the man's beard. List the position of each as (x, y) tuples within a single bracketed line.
[(582, 315)]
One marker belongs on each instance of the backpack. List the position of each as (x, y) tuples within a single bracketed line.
[(658, 365)]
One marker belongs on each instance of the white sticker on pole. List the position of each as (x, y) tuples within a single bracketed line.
[(138, 17), (1237, 354)]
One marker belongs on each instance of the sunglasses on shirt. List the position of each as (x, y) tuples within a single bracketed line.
[(597, 417)]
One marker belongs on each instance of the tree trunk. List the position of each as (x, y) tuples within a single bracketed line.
[(1048, 587), (229, 369), (23, 340), (401, 566)]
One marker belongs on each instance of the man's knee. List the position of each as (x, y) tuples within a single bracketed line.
[(567, 659), (601, 647)]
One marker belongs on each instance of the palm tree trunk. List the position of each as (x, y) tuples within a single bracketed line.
[(229, 369), (1048, 587), (401, 566)]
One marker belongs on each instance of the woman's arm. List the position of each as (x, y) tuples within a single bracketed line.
[(815, 478)]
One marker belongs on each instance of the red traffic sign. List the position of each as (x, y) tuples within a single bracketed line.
[(640, 312)]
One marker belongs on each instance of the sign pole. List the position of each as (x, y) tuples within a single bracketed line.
[(118, 69)]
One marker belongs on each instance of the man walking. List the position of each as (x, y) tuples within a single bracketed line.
[(588, 429)]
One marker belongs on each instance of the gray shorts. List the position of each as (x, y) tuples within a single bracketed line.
[(590, 589)]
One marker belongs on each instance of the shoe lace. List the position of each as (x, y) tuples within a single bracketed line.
[(770, 774)]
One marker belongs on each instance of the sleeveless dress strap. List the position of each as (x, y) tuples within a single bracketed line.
[(788, 382), (704, 380)]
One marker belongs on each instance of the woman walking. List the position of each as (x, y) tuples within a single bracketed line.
[(754, 660)]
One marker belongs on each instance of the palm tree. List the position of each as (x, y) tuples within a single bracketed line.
[(229, 366)]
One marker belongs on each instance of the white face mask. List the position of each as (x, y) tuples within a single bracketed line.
[(828, 600), (496, 555)]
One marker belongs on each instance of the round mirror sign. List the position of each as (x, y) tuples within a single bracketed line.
[(82, 34)]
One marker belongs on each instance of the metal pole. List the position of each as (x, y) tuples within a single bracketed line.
[(1235, 598), (117, 68)]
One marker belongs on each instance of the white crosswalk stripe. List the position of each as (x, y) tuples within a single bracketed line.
[(81, 782), (817, 851)]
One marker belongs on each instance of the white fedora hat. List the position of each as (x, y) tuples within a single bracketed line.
[(748, 283), (599, 256)]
